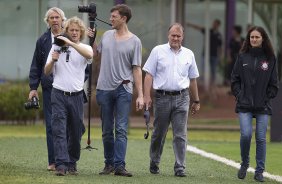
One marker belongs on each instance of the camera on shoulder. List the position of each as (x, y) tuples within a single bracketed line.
[(33, 104)]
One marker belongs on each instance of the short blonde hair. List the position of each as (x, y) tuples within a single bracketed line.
[(79, 22), (51, 10)]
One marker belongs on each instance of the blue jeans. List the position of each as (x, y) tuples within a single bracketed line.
[(246, 136), (47, 109), (115, 108)]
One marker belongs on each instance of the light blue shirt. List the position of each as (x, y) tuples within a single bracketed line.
[(171, 70)]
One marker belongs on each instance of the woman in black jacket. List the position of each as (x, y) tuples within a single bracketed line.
[(254, 81)]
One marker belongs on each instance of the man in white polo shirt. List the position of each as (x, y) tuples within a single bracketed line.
[(172, 71)]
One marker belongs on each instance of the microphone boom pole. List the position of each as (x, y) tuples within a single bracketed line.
[(92, 17)]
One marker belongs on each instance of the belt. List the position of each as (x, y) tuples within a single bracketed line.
[(125, 81), (172, 93), (66, 93)]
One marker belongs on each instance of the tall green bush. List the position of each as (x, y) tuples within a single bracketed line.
[(12, 99)]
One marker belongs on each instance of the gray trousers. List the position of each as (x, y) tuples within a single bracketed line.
[(174, 109)]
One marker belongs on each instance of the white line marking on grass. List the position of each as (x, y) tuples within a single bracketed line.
[(229, 162)]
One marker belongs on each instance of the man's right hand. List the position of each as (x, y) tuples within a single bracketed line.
[(90, 32), (33, 93), (147, 102), (55, 56)]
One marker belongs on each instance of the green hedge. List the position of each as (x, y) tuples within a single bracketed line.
[(12, 99), (13, 95)]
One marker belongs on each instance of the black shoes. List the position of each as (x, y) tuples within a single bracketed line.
[(121, 171), (154, 169), (180, 173), (259, 177), (108, 169), (242, 172)]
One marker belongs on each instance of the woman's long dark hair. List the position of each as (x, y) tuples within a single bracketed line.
[(266, 44)]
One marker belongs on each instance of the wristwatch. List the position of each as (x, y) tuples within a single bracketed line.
[(196, 101)]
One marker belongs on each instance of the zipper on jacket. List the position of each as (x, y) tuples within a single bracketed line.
[(253, 80)]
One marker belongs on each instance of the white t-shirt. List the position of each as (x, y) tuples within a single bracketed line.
[(171, 71), (69, 76)]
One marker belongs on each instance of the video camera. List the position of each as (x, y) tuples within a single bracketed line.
[(60, 46), (91, 8), (33, 104), (60, 42)]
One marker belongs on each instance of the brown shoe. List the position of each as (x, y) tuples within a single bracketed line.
[(121, 171), (72, 170), (51, 167), (108, 169), (60, 172)]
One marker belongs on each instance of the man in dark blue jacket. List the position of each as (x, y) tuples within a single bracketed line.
[(54, 19)]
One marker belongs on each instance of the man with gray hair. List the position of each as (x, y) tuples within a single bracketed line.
[(172, 71), (54, 19)]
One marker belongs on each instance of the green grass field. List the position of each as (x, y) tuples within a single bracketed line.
[(23, 158)]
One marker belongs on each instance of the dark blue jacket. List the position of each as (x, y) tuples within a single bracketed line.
[(36, 73)]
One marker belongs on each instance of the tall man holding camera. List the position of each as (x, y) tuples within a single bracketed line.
[(68, 65), (54, 19), (120, 52)]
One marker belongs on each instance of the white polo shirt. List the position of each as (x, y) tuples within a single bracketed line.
[(171, 71)]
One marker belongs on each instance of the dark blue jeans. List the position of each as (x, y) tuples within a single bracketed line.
[(246, 130), (115, 108), (47, 110), (67, 120)]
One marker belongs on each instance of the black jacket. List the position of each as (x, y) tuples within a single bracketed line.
[(36, 73), (254, 81)]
